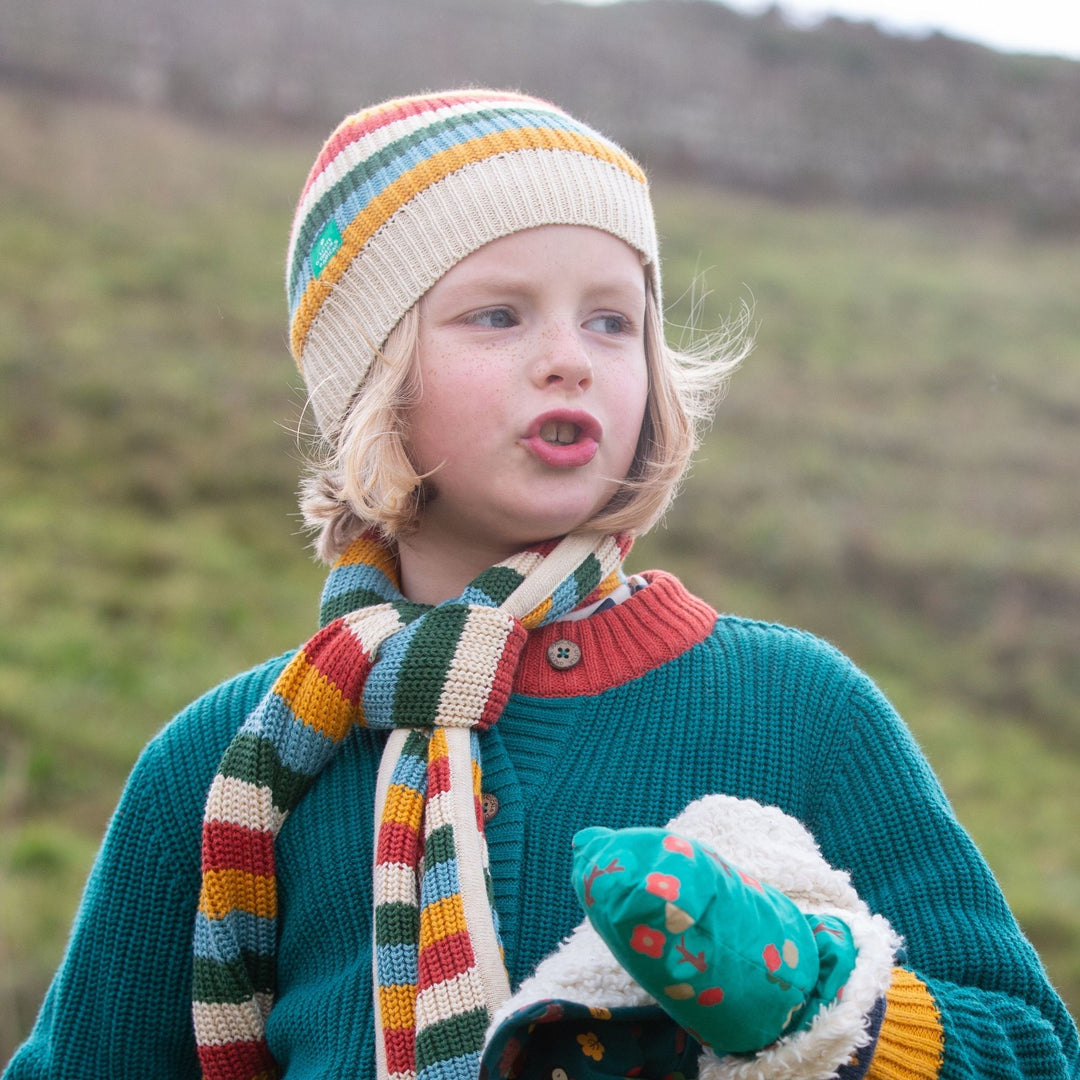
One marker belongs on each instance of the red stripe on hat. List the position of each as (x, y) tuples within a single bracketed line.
[(227, 846), (362, 124)]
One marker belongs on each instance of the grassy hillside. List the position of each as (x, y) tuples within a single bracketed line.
[(894, 468)]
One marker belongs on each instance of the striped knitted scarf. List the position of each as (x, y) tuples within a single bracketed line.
[(433, 677)]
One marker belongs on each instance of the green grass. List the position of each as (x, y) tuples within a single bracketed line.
[(894, 468)]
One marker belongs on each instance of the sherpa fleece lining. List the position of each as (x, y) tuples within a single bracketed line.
[(778, 850)]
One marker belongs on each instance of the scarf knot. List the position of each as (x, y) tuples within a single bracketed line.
[(434, 677), (452, 667)]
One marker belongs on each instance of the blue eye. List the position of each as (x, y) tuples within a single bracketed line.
[(608, 324), (495, 318)]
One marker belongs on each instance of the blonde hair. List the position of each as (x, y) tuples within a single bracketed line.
[(366, 479)]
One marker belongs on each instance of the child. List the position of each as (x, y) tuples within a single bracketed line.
[(387, 852)]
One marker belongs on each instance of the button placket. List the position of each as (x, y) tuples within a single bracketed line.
[(489, 805), (564, 654)]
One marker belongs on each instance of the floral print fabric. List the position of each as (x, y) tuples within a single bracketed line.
[(732, 960), (562, 1040)]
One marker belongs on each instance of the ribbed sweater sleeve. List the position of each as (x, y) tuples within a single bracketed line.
[(972, 999), (668, 704), (119, 1005)]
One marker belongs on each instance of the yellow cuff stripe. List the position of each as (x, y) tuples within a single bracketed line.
[(911, 1043)]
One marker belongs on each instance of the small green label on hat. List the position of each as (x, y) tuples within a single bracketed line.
[(326, 247)]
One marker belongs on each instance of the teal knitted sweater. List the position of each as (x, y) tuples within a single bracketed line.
[(667, 703)]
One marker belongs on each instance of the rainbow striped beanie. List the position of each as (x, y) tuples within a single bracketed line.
[(403, 191)]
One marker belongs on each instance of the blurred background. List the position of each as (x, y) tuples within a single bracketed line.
[(896, 467)]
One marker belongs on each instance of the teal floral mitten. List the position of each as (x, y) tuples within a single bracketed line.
[(730, 959)]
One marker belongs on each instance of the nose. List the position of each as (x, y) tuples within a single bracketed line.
[(563, 358)]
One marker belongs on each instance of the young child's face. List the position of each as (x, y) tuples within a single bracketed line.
[(534, 382)]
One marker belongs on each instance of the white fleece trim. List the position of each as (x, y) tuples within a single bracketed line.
[(837, 1031), (778, 850)]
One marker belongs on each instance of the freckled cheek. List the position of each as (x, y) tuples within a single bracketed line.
[(463, 411), (476, 380)]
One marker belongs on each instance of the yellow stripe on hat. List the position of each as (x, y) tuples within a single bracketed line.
[(428, 172)]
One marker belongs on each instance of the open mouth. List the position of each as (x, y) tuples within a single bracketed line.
[(564, 438), (559, 432)]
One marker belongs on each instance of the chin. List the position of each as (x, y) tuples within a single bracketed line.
[(559, 524), (565, 512)]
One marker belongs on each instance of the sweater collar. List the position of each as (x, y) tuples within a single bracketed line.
[(644, 632)]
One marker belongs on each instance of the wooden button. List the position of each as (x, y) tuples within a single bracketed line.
[(489, 805), (563, 654)]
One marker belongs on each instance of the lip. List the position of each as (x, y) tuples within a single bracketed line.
[(569, 455)]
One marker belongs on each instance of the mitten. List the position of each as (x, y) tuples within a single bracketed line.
[(730, 959)]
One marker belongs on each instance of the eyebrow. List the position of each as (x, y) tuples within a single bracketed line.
[(524, 284)]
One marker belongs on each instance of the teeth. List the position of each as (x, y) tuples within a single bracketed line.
[(558, 432)]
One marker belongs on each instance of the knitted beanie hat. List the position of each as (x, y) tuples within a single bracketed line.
[(403, 191)]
